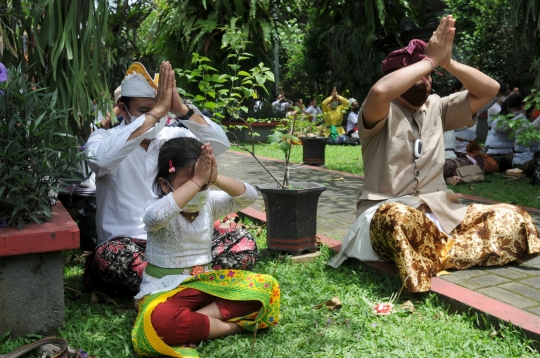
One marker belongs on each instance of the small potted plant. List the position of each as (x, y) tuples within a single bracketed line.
[(34, 154), (313, 141)]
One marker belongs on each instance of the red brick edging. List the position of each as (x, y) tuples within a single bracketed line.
[(59, 233)]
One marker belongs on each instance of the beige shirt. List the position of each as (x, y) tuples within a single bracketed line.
[(392, 170)]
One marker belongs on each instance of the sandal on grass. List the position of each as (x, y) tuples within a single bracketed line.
[(49, 347)]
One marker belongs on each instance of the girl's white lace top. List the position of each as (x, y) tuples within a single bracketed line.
[(174, 242)]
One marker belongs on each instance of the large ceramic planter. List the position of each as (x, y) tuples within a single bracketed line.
[(264, 129), (313, 149), (32, 274), (291, 217)]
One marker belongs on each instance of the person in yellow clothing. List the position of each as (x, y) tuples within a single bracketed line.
[(333, 116)]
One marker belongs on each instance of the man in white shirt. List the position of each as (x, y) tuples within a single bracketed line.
[(281, 103), (352, 118), (125, 160)]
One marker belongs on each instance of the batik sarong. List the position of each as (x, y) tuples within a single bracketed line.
[(227, 284), (489, 235), (116, 267)]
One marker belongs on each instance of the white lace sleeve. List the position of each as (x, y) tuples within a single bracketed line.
[(158, 212), (223, 204)]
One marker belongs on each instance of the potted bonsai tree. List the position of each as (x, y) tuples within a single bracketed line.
[(291, 207), (34, 154)]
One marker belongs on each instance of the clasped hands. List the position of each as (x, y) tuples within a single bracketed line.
[(439, 47), (206, 170), (167, 97)]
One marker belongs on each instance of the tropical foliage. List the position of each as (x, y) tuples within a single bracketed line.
[(486, 39), (124, 35), (34, 154), (179, 28), (525, 17), (61, 46)]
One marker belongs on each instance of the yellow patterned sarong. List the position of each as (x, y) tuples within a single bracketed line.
[(489, 235), (228, 284)]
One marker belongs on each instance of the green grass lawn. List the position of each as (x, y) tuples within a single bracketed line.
[(104, 329), (349, 159)]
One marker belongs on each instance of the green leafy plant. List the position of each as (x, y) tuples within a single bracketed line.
[(34, 153), (63, 45), (227, 95), (288, 133)]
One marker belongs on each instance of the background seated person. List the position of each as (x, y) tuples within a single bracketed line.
[(313, 109), (333, 107), (352, 118)]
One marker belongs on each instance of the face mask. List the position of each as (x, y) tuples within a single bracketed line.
[(356, 109), (128, 121), (417, 95), (197, 202), (503, 98), (333, 105)]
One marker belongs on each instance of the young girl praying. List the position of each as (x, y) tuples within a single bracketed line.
[(182, 300)]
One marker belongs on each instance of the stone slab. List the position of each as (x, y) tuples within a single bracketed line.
[(487, 280), (534, 310), (508, 297), (31, 294), (523, 290), (59, 233), (534, 262), (512, 274), (462, 275), (533, 281)]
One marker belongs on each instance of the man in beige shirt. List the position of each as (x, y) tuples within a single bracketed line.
[(414, 220)]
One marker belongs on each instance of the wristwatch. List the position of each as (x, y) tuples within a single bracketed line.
[(188, 115)]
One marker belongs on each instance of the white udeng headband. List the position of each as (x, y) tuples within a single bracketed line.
[(136, 85)]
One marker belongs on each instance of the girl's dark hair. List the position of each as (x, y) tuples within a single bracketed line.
[(513, 101), (183, 152)]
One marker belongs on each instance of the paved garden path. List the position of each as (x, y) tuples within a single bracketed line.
[(517, 285)]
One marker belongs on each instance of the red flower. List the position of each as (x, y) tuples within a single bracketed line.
[(197, 270), (383, 308)]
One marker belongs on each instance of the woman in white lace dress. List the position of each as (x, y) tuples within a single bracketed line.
[(182, 300)]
